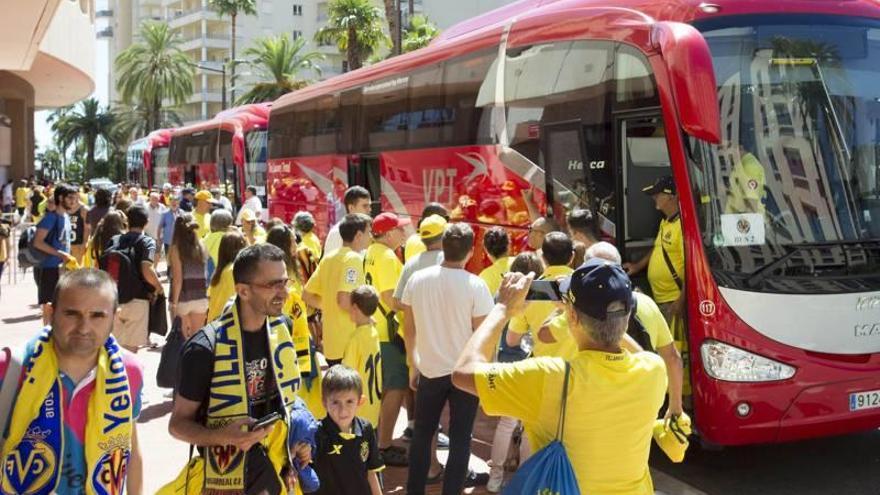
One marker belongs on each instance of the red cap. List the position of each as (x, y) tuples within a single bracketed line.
[(388, 221)]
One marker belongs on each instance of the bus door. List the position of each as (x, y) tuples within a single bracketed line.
[(580, 173), (643, 158), (366, 172), (228, 173)]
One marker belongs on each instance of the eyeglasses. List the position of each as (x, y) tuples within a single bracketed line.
[(278, 285)]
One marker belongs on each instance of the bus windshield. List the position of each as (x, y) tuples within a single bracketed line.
[(793, 190), (255, 160), (160, 166)]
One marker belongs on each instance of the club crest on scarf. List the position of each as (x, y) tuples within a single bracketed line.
[(30, 468), (225, 458), (108, 477)]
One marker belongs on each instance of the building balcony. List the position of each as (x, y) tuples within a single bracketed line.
[(209, 95), (179, 18), (192, 42)]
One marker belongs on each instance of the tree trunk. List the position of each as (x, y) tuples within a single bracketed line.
[(411, 11), (90, 156), (393, 29), (156, 117), (232, 67), (353, 55)]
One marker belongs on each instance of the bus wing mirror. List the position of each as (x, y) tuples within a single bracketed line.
[(689, 65)]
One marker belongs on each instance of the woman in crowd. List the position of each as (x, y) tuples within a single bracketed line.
[(113, 223), (101, 208), (222, 284), (189, 299)]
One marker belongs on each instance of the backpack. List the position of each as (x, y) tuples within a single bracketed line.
[(28, 255), (636, 329), (119, 262)]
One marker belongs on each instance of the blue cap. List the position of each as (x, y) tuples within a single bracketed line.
[(596, 284)]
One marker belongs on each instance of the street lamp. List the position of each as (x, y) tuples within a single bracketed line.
[(222, 72)]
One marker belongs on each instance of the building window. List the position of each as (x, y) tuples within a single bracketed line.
[(297, 35), (297, 9), (345, 66)]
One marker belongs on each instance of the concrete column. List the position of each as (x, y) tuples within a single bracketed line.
[(17, 104)]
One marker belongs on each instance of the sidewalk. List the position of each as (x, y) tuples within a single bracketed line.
[(165, 456)]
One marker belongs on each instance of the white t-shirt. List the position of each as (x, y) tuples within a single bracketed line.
[(333, 240), (444, 301), (154, 217)]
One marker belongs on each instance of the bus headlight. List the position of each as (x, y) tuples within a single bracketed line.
[(725, 362)]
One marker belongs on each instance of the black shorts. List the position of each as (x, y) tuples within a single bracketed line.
[(47, 279)]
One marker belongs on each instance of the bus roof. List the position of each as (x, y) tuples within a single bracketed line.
[(483, 31), (236, 120), (159, 138)]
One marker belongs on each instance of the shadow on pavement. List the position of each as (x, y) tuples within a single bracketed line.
[(155, 411), (22, 319)]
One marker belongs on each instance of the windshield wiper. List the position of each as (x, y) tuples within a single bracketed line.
[(758, 276)]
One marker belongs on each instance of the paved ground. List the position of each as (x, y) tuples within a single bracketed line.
[(845, 465)]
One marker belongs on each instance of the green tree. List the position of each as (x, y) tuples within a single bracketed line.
[(154, 70), (85, 125), (233, 8), (278, 61), (419, 34), (355, 26), (50, 162), (134, 121), (392, 15)]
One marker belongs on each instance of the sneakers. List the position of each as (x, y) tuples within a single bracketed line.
[(475, 479), (394, 456), (494, 484)]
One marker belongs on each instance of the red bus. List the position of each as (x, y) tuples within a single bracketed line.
[(228, 151), (765, 113), (146, 155)]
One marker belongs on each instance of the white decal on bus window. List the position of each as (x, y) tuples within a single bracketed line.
[(437, 180), (742, 229)]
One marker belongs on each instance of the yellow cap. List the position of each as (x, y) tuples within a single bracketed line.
[(248, 215), (204, 195), (432, 226)]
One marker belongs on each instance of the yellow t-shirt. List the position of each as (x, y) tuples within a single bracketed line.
[(383, 270), (204, 221), (212, 245), (652, 319), (413, 247), (362, 354), (342, 271), (537, 313), (218, 295), (21, 197), (295, 308), (662, 284), (310, 240), (493, 274), (613, 400), (84, 198)]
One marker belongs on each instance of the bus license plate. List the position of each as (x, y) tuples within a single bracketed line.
[(864, 400)]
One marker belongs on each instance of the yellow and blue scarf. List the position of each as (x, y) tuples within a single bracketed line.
[(225, 464), (33, 453)]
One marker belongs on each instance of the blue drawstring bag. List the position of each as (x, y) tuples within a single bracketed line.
[(549, 471)]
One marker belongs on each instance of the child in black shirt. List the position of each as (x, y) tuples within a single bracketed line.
[(347, 457)]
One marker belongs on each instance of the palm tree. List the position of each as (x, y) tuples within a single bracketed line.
[(355, 26), (232, 8), (86, 125), (135, 121), (392, 14), (277, 60), (154, 70), (419, 34)]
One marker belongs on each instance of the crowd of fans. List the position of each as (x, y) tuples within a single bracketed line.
[(338, 337)]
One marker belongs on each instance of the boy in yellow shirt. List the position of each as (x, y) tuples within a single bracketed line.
[(363, 353)]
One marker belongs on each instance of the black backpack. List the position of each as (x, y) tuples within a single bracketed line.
[(120, 263), (28, 255), (639, 333)]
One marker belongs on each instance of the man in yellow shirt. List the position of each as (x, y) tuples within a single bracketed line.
[(496, 243), (329, 288), (557, 250), (383, 269), (363, 354), (221, 221), (414, 244), (746, 191), (665, 262), (614, 393), (21, 198), (202, 213)]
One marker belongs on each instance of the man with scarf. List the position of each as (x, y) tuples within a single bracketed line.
[(239, 368), (70, 400)]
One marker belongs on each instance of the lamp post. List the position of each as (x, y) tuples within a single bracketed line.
[(222, 72)]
